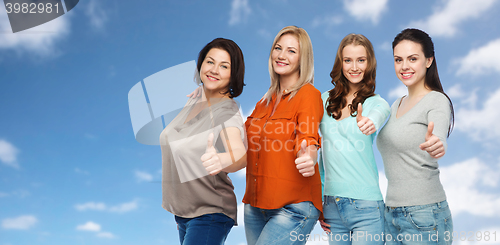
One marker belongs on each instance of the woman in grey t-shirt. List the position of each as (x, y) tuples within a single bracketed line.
[(410, 143), (203, 143)]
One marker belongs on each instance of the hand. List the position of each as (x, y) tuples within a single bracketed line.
[(195, 93), (364, 123), (210, 159), (432, 144), (325, 226), (304, 162)]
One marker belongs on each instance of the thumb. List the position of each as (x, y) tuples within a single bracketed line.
[(210, 141), (360, 111), (303, 147), (430, 128)]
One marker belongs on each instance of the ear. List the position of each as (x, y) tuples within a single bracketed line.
[(428, 63)]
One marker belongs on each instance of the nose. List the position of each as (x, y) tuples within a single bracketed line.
[(214, 69), (405, 65), (280, 55), (354, 65)]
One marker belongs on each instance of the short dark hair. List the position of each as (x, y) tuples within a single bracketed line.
[(236, 83), (432, 80)]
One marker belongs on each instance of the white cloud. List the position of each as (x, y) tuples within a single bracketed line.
[(468, 181), (241, 215), (397, 92), (99, 206), (94, 227), (3, 194), (143, 176), (89, 226), (23, 222), (80, 171), (480, 124), (91, 206), (124, 207), (105, 235), (385, 46), (40, 40), (455, 91), (239, 11), (95, 11), (327, 20), (8, 152), (366, 9), (444, 21), (481, 60)]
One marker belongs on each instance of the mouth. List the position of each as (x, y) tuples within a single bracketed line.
[(407, 75), (281, 63), (211, 78), (355, 74)]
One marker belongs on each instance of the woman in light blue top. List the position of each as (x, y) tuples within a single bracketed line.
[(353, 204)]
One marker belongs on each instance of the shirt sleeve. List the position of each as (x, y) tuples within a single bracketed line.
[(379, 111), (440, 114), (309, 116)]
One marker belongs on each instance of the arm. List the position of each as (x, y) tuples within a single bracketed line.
[(374, 116), (438, 119), (308, 140), (230, 161)]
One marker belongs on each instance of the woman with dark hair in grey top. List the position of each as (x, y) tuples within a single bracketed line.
[(411, 142), (203, 143)]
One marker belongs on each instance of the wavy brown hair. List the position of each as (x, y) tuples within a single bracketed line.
[(337, 96)]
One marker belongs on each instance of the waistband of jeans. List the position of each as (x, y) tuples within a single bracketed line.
[(331, 199), (442, 204)]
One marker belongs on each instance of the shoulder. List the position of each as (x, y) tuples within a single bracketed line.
[(308, 90), (325, 95), (375, 99), (436, 100)]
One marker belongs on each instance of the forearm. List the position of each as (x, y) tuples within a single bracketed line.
[(237, 161)]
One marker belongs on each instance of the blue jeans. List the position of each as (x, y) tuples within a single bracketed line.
[(354, 221), (423, 224), (204, 230), (287, 225)]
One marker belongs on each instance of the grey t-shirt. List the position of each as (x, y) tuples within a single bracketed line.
[(412, 174), (188, 190)]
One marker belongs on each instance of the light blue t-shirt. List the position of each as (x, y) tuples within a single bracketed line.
[(347, 164)]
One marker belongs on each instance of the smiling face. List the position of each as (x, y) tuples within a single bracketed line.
[(410, 63), (215, 71), (354, 63), (285, 56)]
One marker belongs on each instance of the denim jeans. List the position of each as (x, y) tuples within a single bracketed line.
[(287, 225), (354, 221), (423, 224), (208, 229)]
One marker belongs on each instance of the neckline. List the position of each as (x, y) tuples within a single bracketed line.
[(416, 104)]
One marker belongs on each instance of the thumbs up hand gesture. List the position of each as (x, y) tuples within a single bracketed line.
[(364, 123), (304, 162), (210, 159), (432, 144)]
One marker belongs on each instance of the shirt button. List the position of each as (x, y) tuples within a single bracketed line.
[(337, 199), (254, 179)]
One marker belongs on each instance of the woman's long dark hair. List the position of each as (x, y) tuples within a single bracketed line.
[(337, 96), (432, 80)]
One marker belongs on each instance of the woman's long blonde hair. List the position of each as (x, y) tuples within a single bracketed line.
[(306, 62)]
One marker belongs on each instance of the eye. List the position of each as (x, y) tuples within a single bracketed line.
[(224, 66), (292, 51), (413, 59), (210, 62), (347, 61), (277, 48), (397, 60), (361, 60)]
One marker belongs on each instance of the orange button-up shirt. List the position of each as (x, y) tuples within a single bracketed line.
[(273, 179)]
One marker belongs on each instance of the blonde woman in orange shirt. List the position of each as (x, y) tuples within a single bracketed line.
[(283, 191)]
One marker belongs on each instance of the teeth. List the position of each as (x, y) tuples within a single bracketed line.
[(406, 74)]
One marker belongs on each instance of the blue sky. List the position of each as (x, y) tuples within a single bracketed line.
[(71, 171)]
